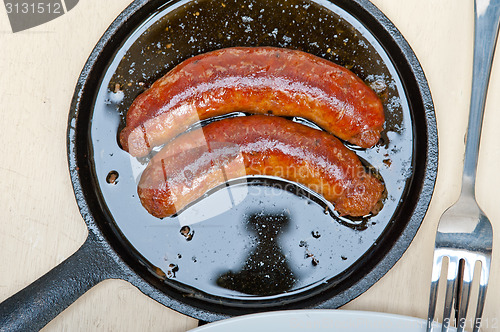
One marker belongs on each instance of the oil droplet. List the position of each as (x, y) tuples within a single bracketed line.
[(112, 177), (187, 233), (172, 269), (316, 234)]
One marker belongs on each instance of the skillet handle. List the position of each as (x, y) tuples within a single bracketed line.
[(37, 304)]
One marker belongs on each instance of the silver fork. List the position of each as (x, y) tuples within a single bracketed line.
[(464, 233)]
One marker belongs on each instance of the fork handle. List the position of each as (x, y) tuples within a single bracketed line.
[(487, 18)]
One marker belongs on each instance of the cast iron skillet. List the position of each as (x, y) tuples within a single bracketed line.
[(148, 39)]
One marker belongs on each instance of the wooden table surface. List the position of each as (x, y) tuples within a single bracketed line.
[(40, 224)]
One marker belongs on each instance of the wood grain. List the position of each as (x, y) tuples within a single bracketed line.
[(40, 223)]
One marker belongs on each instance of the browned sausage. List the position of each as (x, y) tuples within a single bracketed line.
[(201, 159), (255, 80)]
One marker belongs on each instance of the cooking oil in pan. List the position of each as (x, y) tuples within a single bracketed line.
[(276, 240), (257, 238)]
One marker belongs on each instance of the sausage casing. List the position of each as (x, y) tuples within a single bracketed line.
[(199, 160), (259, 80)]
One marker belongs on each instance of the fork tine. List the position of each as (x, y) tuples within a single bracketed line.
[(483, 284), (467, 274), (460, 277), (451, 285), (436, 276)]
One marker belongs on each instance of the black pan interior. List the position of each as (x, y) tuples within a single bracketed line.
[(227, 264)]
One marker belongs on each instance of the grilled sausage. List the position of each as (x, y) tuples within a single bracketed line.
[(197, 161), (257, 80)]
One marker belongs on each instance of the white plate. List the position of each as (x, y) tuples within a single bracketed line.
[(319, 320)]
